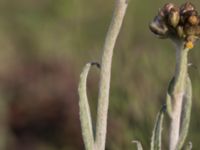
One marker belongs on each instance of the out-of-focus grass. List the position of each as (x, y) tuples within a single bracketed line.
[(75, 30)]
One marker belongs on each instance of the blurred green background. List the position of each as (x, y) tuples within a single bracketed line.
[(43, 46)]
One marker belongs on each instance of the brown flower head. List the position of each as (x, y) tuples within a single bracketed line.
[(177, 23)]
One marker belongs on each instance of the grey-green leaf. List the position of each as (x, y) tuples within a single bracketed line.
[(139, 145), (85, 115), (157, 131), (185, 115)]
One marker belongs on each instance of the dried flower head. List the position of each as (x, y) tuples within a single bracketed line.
[(177, 23)]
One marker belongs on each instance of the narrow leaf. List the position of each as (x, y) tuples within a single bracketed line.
[(157, 131), (85, 114), (138, 143)]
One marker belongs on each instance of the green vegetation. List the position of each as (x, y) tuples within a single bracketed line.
[(74, 31)]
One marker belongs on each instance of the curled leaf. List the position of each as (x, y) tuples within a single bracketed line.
[(85, 115)]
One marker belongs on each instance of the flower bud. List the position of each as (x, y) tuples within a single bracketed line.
[(186, 7), (159, 28), (177, 23), (193, 20), (167, 8), (184, 17), (174, 17)]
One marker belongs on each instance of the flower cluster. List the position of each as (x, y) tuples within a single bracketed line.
[(177, 23)]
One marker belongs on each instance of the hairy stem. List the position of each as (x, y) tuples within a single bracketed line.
[(178, 94), (104, 87)]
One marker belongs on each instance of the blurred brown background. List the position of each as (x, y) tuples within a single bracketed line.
[(43, 46)]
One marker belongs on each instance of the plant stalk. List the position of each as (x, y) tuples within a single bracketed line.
[(178, 94), (104, 87)]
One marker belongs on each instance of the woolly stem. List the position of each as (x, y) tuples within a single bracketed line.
[(178, 93), (104, 87)]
